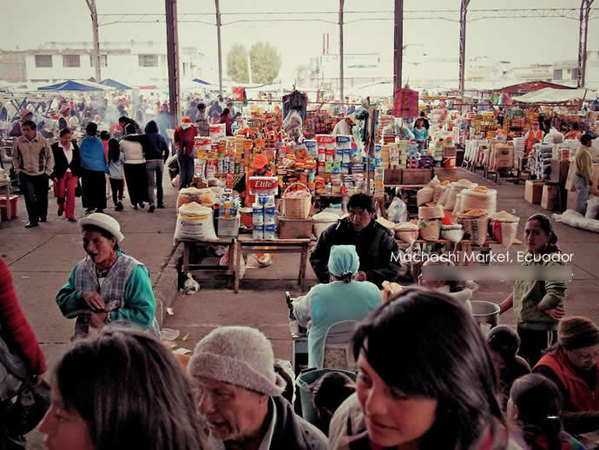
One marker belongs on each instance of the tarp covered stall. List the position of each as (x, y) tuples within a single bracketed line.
[(72, 85), (550, 95), (115, 84)]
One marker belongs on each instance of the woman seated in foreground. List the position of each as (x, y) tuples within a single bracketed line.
[(425, 380), (122, 390)]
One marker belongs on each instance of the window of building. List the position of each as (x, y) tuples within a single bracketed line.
[(71, 61), (557, 74), (148, 60), (103, 61), (43, 60), (574, 74)]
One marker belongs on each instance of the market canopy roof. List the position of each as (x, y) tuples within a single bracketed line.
[(72, 85), (200, 81), (550, 95), (522, 88), (115, 84)]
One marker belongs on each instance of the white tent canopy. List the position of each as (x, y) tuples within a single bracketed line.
[(551, 95)]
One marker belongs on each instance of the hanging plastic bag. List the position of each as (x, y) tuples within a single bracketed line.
[(397, 211)]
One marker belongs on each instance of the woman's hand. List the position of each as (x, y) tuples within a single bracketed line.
[(555, 313), (360, 276), (390, 290), (98, 320), (94, 300)]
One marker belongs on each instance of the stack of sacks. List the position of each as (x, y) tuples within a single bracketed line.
[(440, 190), (480, 197), (407, 232), (429, 221), (504, 228), (426, 194), (455, 188), (475, 223)]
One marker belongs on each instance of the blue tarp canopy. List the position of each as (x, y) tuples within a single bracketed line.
[(197, 80), (115, 84), (72, 85)]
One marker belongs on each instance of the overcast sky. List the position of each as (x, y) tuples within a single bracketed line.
[(28, 25)]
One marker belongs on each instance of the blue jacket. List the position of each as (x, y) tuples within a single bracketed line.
[(91, 151)]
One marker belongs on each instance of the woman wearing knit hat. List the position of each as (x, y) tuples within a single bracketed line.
[(239, 394), (342, 299), (538, 303), (573, 364), (107, 285)]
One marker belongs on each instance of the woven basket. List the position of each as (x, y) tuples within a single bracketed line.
[(297, 208), (475, 228), (430, 229)]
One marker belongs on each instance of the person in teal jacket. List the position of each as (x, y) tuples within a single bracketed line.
[(342, 299), (107, 285)]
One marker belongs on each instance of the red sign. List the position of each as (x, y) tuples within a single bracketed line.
[(405, 103), (264, 185)]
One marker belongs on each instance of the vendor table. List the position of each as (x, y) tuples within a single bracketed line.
[(230, 269), (248, 244)]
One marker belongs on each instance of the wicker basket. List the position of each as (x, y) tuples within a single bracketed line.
[(297, 208), (475, 227)]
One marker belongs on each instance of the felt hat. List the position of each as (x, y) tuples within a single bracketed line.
[(25, 112), (105, 222), (577, 332), (237, 355), (185, 119)]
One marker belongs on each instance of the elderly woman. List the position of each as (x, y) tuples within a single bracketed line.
[(94, 170), (573, 364), (342, 299), (123, 390), (107, 285), (425, 380)]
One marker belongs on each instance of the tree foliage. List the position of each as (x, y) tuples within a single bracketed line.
[(264, 59), (237, 64)]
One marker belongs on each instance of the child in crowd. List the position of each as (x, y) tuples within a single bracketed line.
[(115, 173)]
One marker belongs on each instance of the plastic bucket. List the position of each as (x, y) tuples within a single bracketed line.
[(303, 382), (485, 313)]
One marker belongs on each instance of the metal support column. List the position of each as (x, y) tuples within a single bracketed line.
[(341, 4), (583, 32), (91, 4), (462, 61), (220, 50), (172, 54), (397, 45)]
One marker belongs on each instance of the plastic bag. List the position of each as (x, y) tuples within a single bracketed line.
[(397, 211), (592, 208)]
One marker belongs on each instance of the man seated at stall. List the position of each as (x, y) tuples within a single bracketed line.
[(341, 299), (260, 166), (375, 244), (573, 364), (239, 394)]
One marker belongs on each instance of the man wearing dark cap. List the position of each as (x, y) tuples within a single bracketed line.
[(574, 366)]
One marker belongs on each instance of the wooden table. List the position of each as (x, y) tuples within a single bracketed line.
[(230, 269), (248, 244)]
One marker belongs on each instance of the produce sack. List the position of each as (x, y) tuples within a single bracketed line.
[(194, 221), (480, 197), (407, 232), (454, 189), (431, 212), (204, 196), (323, 220), (504, 228), (386, 223), (475, 223), (440, 192), (425, 195), (397, 211), (430, 229), (453, 233)]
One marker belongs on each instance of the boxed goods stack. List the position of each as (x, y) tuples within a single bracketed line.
[(402, 150), (539, 161)]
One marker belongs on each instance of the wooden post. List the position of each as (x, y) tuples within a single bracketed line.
[(172, 54), (341, 4), (220, 50), (91, 4)]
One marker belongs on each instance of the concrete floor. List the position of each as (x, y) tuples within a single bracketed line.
[(40, 260)]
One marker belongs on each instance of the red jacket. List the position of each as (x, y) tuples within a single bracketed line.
[(15, 328), (184, 140), (580, 397)]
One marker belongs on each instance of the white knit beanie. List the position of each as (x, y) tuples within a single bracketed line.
[(237, 355)]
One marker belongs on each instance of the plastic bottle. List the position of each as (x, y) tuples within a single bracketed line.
[(329, 188)]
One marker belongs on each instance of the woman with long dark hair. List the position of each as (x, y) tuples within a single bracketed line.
[(123, 390), (94, 170), (425, 380), (534, 407), (538, 303)]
